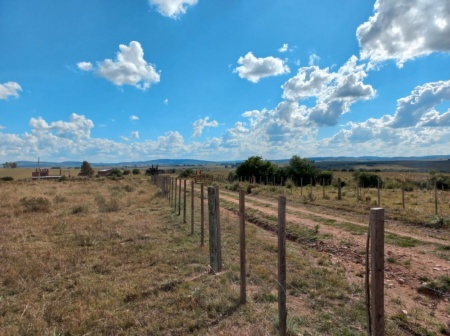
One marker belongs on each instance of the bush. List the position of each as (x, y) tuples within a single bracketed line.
[(250, 187), (126, 172), (233, 186), (36, 204), (136, 171), (115, 173), (7, 178), (62, 178), (189, 172)]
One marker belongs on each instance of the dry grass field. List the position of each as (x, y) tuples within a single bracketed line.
[(105, 257)]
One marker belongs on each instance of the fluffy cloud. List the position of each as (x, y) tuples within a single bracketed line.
[(9, 89), (85, 66), (417, 108), (133, 135), (253, 69), (129, 68), (200, 124), (133, 117), (284, 48), (172, 8), (404, 29), (77, 128), (334, 92)]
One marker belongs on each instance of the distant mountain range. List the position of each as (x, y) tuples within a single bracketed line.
[(192, 162)]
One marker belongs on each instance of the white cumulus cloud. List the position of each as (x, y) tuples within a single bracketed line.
[(253, 69), (401, 30), (133, 117), (334, 92), (172, 8), (85, 66), (9, 89), (418, 107), (129, 68), (200, 124)]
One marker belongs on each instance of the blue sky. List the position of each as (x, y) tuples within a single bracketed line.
[(109, 81)]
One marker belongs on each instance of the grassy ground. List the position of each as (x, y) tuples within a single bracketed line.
[(103, 257)]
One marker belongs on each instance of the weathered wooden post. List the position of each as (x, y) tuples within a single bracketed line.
[(403, 197), (301, 186), (175, 194), (339, 189), (179, 197), (184, 201), (192, 207), (202, 215), (242, 245), (323, 189), (215, 252), (282, 312), (377, 268), (378, 192), (435, 198)]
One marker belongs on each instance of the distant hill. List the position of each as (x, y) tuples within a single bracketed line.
[(192, 162)]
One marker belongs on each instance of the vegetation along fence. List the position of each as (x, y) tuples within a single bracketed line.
[(374, 275)]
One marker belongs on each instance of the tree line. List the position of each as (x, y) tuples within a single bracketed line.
[(300, 171)]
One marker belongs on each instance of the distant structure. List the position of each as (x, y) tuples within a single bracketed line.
[(156, 171), (104, 172), (44, 174), (40, 172)]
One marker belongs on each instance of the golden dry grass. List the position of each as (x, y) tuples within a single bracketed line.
[(112, 258)]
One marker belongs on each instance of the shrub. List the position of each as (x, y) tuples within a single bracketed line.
[(62, 178), (189, 172), (36, 204), (78, 209), (233, 186), (126, 172), (7, 178), (136, 171), (116, 172), (289, 184), (250, 188)]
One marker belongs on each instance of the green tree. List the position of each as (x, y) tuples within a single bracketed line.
[(257, 167), (86, 169), (299, 168), (136, 171)]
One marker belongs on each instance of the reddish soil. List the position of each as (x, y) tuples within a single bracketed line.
[(404, 266)]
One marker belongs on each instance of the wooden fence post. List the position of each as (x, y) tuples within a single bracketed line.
[(179, 197), (403, 197), (323, 189), (282, 312), (339, 189), (184, 201), (301, 186), (202, 215), (242, 245), (435, 198), (175, 194), (377, 269), (214, 230), (378, 192), (192, 207)]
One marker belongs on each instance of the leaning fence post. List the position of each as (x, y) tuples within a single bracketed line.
[(242, 245), (282, 312), (214, 230), (377, 268)]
